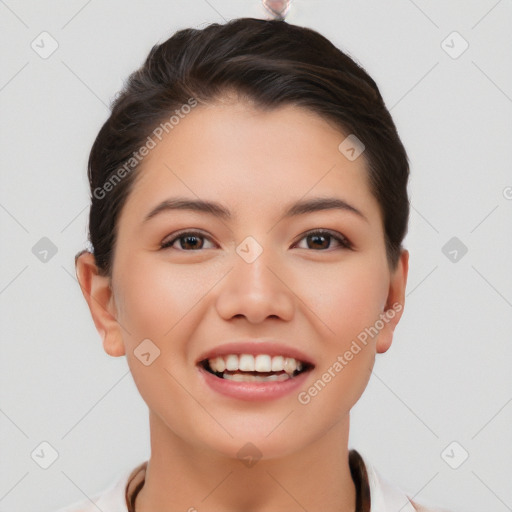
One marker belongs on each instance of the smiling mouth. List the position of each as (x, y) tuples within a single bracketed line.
[(258, 368)]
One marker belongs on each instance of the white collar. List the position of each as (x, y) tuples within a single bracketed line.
[(385, 496)]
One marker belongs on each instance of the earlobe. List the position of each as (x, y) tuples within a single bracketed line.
[(395, 303), (98, 294)]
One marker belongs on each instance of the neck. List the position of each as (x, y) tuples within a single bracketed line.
[(181, 477)]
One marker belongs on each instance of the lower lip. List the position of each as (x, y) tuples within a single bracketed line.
[(252, 391)]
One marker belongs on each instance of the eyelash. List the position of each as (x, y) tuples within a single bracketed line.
[(344, 242)]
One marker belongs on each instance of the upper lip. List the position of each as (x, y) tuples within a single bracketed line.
[(272, 348)]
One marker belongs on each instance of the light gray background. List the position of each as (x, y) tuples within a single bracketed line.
[(447, 376)]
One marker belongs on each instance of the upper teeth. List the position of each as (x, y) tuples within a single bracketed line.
[(250, 363)]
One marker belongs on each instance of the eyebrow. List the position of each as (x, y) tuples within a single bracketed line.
[(217, 210)]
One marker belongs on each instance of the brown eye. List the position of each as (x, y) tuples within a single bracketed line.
[(321, 239), (188, 241)]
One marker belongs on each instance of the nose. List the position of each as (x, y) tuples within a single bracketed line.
[(256, 290)]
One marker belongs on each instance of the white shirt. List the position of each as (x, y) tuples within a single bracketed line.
[(385, 496)]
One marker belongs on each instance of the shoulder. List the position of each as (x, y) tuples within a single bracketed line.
[(422, 508), (387, 496), (111, 499)]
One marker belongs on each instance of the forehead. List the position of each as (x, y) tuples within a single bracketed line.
[(243, 156)]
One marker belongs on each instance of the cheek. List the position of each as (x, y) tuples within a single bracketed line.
[(155, 295), (352, 305), (347, 298), (349, 304)]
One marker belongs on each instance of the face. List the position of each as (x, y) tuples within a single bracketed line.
[(267, 280)]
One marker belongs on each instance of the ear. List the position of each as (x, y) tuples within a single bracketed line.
[(98, 293), (395, 302)]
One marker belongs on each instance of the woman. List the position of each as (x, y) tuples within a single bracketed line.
[(248, 207)]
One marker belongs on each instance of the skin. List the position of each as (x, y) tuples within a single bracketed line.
[(315, 295)]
